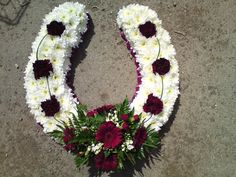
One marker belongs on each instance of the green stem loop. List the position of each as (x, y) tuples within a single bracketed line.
[(37, 52)]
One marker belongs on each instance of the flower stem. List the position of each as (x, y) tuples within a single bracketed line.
[(37, 52)]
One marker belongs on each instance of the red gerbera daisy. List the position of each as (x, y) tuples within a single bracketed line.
[(109, 134), (106, 163)]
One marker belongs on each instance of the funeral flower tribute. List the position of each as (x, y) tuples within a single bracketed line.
[(111, 134)]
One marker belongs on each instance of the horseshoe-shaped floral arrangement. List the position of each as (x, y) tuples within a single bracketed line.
[(112, 134)]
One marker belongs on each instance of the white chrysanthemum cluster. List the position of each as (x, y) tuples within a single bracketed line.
[(57, 49), (147, 49)]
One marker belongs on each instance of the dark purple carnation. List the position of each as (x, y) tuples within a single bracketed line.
[(106, 163), (70, 147), (148, 29), (92, 113), (42, 68), (125, 126), (161, 66), (136, 118), (125, 117), (50, 107), (153, 105), (140, 137), (55, 28), (69, 134), (105, 109)]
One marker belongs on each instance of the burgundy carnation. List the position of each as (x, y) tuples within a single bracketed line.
[(50, 107), (125, 117), (70, 147), (148, 29), (92, 113), (42, 68), (69, 134), (136, 118), (105, 109), (140, 137), (106, 163), (55, 28), (161, 66), (109, 134), (125, 126), (153, 105)]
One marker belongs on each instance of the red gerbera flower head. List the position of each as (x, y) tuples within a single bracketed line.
[(125, 117), (106, 163), (110, 135), (153, 105), (140, 137)]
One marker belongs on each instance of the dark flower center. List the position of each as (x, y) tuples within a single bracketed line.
[(108, 136)]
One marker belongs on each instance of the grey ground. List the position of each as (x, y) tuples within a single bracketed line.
[(201, 141)]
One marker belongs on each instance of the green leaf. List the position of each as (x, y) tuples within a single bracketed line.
[(131, 114), (150, 145), (123, 108), (61, 127), (107, 153), (56, 134), (83, 137), (79, 161), (82, 112), (130, 157)]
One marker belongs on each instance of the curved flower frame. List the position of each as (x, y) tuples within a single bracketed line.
[(50, 98), (146, 51)]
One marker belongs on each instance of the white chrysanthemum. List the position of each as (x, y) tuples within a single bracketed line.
[(147, 50), (57, 50)]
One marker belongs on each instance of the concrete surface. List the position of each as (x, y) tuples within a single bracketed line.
[(199, 140)]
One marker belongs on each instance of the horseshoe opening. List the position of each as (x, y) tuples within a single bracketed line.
[(108, 73)]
